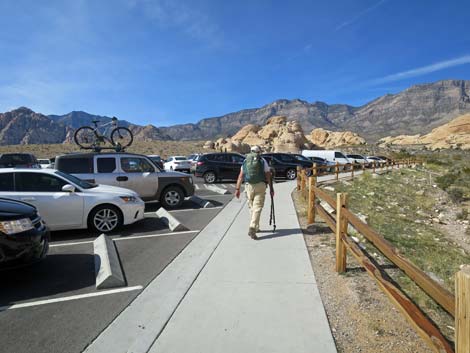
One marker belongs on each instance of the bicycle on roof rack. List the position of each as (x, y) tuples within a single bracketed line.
[(91, 138)]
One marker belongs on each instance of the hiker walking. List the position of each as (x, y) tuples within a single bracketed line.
[(256, 174)]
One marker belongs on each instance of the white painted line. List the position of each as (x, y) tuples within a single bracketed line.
[(197, 186), (225, 186), (198, 209), (155, 235), (130, 237), (206, 196), (72, 297)]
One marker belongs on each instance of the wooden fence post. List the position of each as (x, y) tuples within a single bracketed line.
[(315, 171), (352, 170), (337, 170), (312, 182), (341, 228), (298, 178), (303, 180), (462, 310), (374, 168)]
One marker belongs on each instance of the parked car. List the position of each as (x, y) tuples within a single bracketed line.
[(285, 165), (192, 158), (45, 163), (18, 160), (177, 163), (131, 171), (385, 158), (376, 160), (321, 162), (66, 202), (157, 160), (329, 155), (219, 166), (357, 159), (24, 237)]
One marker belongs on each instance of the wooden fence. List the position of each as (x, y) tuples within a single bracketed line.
[(458, 305)]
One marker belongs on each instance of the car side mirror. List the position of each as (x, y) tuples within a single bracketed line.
[(68, 188)]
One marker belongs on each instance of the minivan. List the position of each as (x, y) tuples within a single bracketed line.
[(329, 155), (131, 171)]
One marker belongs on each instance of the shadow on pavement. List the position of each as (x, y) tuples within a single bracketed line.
[(279, 233), (56, 274)]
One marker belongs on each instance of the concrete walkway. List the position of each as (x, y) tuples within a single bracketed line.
[(245, 296)]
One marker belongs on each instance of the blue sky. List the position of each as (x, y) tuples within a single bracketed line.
[(176, 61)]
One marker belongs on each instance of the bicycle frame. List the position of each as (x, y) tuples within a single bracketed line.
[(102, 137)]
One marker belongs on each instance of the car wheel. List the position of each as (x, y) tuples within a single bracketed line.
[(172, 197), (291, 174), (105, 219), (209, 177)]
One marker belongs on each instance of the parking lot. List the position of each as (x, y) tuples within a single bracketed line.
[(53, 306)]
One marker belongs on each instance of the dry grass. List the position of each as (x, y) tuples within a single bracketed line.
[(162, 148)]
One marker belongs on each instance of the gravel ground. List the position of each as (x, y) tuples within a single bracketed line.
[(361, 317)]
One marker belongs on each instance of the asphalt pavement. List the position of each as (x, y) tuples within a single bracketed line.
[(53, 306)]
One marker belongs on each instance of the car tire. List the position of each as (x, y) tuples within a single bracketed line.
[(172, 197), (209, 177), (105, 219), (291, 174)]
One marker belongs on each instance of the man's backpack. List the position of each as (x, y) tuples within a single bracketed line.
[(253, 169)]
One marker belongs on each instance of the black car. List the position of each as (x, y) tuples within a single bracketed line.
[(218, 166), (18, 160), (23, 236), (285, 165)]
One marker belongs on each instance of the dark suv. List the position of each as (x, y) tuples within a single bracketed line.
[(219, 166), (285, 165), (18, 160), (23, 235), (130, 171)]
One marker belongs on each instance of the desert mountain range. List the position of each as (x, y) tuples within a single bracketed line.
[(416, 110)]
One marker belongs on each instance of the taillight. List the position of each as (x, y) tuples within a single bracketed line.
[(200, 163)]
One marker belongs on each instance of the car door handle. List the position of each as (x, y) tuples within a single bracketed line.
[(122, 178), (28, 199)]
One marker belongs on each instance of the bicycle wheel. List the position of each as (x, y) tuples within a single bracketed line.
[(85, 137), (122, 136)]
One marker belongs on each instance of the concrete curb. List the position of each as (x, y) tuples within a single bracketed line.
[(137, 327), (108, 269), (170, 220), (217, 189), (201, 202)]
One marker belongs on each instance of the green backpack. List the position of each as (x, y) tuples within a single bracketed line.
[(253, 169)]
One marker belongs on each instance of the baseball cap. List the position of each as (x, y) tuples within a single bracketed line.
[(255, 149)]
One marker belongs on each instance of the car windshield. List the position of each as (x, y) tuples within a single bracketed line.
[(82, 183), (301, 158)]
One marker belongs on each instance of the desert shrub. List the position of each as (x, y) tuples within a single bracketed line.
[(456, 194), (446, 180), (462, 215)]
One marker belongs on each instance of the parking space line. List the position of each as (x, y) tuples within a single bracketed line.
[(72, 297), (125, 238), (197, 209), (204, 196), (155, 235), (196, 186)]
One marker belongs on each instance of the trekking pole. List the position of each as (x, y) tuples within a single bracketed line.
[(272, 216)]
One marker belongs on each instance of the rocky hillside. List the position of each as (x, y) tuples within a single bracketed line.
[(455, 134), (416, 110), (332, 139)]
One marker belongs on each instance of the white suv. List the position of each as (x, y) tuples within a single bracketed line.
[(66, 202)]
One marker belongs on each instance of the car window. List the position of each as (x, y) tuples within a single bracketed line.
[(106, 164), (339, 155), (11, 160), (136, 165), (286, 158), (6, 182), (80, 165), (219, 158), (180, 158), (38, 182), (237, 159)]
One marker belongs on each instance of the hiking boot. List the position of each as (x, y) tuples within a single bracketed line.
[(252, 233)]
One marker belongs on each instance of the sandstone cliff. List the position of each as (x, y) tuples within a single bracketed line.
[(332, 139), (455, 134)]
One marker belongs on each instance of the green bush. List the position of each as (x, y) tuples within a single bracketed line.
[(447, 180), (456, 195)]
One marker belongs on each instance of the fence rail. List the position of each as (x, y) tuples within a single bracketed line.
[(341, 217)]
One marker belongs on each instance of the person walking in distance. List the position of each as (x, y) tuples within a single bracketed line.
[(256, 173)]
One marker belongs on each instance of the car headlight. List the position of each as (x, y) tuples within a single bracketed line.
[(16, 226), (128, 198)]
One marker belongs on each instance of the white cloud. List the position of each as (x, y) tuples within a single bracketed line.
[(423, 70), (359, 15)]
